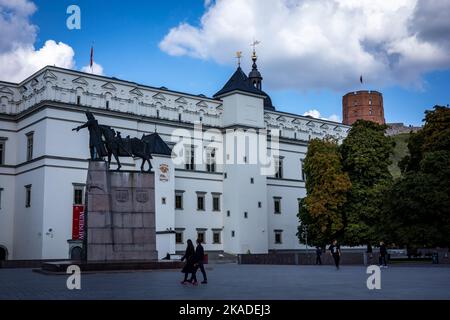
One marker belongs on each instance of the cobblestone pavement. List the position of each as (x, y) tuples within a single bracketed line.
[(232, 281)]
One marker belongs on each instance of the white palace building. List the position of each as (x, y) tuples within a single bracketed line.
[(233, 206)]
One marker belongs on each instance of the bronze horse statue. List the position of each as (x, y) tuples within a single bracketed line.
[(129, 147), (105, 141)]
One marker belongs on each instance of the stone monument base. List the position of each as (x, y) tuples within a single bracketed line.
[(120, 217)]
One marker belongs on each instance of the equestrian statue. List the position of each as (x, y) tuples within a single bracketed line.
[(106, 142)]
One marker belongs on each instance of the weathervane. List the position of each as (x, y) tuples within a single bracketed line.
[(239, 56), (254, 44)]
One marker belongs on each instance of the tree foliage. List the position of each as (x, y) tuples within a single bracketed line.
[(366, 158), (327, 186), (418, 206)]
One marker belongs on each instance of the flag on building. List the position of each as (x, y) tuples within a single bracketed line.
[(92, 57)]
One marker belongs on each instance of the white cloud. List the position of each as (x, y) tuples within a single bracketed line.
[(96, 69), (309, 44), (18, 56), (20, 63), (316, 114)]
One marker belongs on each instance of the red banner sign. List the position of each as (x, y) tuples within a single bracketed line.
[(78, 223)]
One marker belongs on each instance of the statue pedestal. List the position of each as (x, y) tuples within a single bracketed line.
[(120, 220)]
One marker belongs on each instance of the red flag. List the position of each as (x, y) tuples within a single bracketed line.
[(92, 56)]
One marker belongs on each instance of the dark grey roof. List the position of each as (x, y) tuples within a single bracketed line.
[(158, 146), (238, 81)]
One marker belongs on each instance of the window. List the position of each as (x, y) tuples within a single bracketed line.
[(179, 200), (201, 201), (78, 100), (252, 180), (228, 213), (232, 234), (211, 160), (201, 235), (279, 168), (30, 146), (302, 170), (163, 200), (277, 205), (245, 214), (78, 195), (189, 157), (225, 175), (278, 236), (2, 150), (216, 237), (179, 117), (259, 204), (107, 104), (299, 201), (178, 236), (157, 113), (1, 191), (245, 159), (216, 202), (28, 196)]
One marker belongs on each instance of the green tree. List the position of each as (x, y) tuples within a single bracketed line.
[(327, 186), (366, 158), (418, 206)]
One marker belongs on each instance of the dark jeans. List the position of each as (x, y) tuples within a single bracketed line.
[(336, 258), (318, 260), (202, 269), (193, 276), (382, 260)]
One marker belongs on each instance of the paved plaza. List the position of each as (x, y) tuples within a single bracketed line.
[(232, 281)]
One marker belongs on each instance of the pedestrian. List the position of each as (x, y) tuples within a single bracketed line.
[(188, 268), (199, 258), (335, 251), (318, 255), (383, 254)]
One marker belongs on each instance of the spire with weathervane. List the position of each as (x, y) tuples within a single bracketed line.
[(254, 76)]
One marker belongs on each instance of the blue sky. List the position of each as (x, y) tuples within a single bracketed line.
[(127, 36)]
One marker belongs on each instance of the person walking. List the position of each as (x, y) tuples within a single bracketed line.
[(318, 255), (199, 258), (383, 254), (189, 267), (335, 251)]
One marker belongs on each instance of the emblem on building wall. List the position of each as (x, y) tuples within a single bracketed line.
[(122, 195), (164, 172), (142, 196)]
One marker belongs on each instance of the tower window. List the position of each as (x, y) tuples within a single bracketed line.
[(2, 151), (216, 237), (179, 200), (277, 205), (179, 236), (78, 100), (200, 201), (201, 236), (278, 236), (228, 213), (245, 214), (78, 195), (28, 196), (232, 234), (30, 141), (216, 202)]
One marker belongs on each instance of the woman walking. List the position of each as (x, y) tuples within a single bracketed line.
[(189, 267)]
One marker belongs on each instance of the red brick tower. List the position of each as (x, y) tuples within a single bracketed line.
[(366, 105)]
